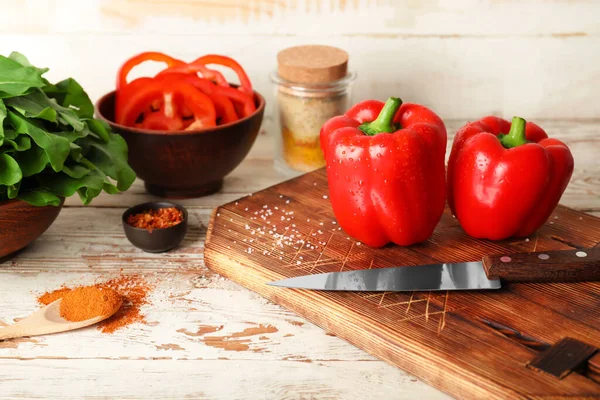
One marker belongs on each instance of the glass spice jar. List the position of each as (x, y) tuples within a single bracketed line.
[(312, 85)]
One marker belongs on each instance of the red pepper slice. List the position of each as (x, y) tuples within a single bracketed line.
[(125, 92), (124, 89), (139, 59), (244, 100), (159, 121), (223, 106), (193, 99), (193, 69), (225, 61)]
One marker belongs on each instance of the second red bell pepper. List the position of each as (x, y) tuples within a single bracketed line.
[(386, 171), (505, 179)]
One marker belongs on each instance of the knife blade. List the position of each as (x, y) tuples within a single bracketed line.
[(552, 266)]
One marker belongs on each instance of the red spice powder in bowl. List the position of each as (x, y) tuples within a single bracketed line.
[(156, 219), (155, 227)]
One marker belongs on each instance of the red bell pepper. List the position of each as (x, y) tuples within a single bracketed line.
[(386, 172), (505, 179)]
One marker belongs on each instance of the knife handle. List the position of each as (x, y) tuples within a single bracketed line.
[(549, 266)]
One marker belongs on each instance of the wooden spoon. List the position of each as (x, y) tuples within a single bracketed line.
[(48, 320)]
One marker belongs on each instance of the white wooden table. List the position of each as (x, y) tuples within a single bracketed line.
[(258, 350)]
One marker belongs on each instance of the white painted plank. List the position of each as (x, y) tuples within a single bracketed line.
[(462, 77), (167, 379), (304, 17), (190, 316)]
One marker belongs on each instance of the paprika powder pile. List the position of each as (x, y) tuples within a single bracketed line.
[(89, 302), (386, 171), (506, 179), (132, 290)]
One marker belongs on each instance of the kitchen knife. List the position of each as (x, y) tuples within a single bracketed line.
[(549, 266)]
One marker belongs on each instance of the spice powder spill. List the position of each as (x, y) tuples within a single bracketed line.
[(134, 291), (156, 219)]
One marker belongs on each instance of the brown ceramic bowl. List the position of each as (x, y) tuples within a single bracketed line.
[(188, 163), (22, 223)]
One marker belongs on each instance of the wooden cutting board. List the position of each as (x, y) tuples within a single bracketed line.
[(469, 344)]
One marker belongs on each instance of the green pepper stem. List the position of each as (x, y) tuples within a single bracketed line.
[(385, 119), (516, 135)]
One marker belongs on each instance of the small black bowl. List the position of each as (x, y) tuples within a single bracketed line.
[(158, 240)]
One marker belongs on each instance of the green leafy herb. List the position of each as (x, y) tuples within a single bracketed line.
[(40, 197), (16, 79), (57, 148), (51, 146), (2, 117), (18, 142), (69, 93), (32, 161), (21, 59), (10, 173)]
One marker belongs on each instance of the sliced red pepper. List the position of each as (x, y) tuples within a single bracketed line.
[(123, 88), (225, 61), (141, 58), (159, 121), (223, 106), (244, 100), (193, 69), (193, 99), (143, 102), (125, 92)]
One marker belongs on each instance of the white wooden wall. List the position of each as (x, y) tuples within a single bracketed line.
[(464, 58)]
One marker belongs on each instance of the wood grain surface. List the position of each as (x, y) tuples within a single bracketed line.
[(289, 230)]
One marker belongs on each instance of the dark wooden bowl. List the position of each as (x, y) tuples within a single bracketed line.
[(22, 223), (157, 240), (190, 163)]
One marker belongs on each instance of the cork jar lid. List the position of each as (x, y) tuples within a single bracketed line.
[(312, 64)]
